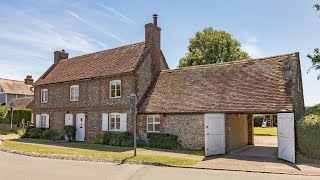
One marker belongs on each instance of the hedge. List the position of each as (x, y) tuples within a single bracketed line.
[(308, 133), (258, 119), (163, 141), (18, 115)]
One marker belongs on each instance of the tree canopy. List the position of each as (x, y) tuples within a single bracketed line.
[(212, 46), (315, 57)]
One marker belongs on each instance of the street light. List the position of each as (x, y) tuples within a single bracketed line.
[(133, 111)]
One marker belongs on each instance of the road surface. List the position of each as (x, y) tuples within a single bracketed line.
[(17, 167)]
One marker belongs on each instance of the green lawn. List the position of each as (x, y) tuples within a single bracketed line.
[(5, 132), (271, 131), (42, 149), (111, 148)]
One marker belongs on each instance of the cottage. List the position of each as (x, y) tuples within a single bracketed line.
[(207, 106), (10, 89), (92, 91)]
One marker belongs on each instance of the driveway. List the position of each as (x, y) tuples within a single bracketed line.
[(266, 140), (16, 167)]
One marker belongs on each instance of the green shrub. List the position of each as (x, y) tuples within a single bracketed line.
[(70, 132), (22, 133), (124, 139), (49, 134), (97, 140), (35, 133), (107, 137), (258, 119), (163, 141), (308, 132), (58, 137)]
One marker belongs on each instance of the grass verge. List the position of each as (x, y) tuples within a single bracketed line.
[(111, 148), (5, 132), (270, 131), (54, 150)]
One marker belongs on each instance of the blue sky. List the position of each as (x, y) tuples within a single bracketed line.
[(32, 30)]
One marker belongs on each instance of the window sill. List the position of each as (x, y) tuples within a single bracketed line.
[(153, 131), (74, 100), (44, 102), (115, 97)]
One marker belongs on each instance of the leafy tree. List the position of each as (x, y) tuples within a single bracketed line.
[(315, 58), (212, 46)]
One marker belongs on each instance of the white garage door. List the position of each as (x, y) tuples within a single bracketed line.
[(214, 134), (286, 140)]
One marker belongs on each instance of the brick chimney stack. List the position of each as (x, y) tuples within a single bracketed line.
[(28, 80), (58, 55), (152, 41)]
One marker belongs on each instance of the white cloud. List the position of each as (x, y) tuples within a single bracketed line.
[(50, 40), (252, 48), (73, 14), (252, 39), (76, 16), (122, 17)]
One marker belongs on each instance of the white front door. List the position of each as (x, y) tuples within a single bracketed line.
[(286, 140), (214, 134), (80, 124)]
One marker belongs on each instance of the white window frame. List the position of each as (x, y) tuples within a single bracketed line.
[(111, 116), (43, 117), (153, 123), (72, 89), (44, 99), (115, 82)]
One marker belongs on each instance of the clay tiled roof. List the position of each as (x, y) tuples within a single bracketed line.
[(20, 102), (99, 64), (15, 87), (253, 86)]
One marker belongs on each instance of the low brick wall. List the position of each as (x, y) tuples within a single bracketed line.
[(8, 127)]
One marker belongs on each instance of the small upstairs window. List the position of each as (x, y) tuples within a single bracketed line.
[(74, 93), (115, 89), (44, 95), (1, 90)]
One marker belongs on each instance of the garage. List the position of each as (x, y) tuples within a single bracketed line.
[(225, 133)]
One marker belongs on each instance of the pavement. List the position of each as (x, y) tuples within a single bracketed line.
[(16, 167)]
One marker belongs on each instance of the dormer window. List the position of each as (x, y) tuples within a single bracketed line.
[(44, 95), (115, 89), (74, 93)]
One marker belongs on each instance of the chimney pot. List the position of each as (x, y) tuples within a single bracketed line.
[(58, 55), (28, 80), (155, 19)]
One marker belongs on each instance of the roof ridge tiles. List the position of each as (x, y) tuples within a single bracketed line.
[(229, 63), (84, 55)]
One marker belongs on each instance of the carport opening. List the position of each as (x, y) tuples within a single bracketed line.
[(252, 135)]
